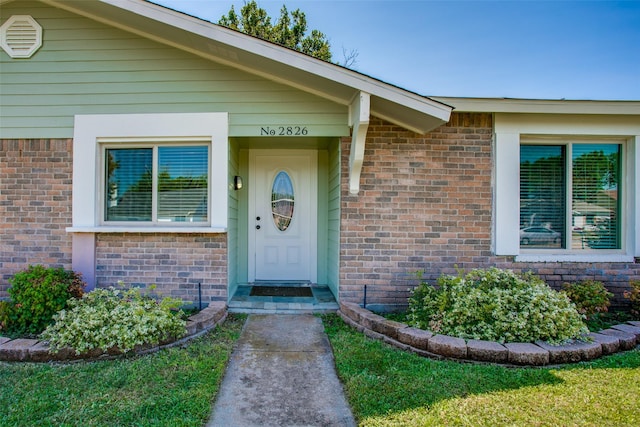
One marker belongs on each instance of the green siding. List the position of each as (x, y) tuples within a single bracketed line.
[(323, 195), (333, 218), (232, 224), (243, 219), (85, 67)]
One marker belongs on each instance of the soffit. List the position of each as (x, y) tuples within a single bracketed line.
[(341, 85)]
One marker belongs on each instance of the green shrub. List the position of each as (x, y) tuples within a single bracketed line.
[(37, 293), (589, 296), (634, 297), (5, 312), (113, 318), (495, 305)]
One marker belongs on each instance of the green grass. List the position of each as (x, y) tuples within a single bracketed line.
[(389, 387), (173, 387), (385, 387)]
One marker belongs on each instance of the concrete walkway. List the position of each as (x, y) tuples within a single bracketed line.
[(281, 373)]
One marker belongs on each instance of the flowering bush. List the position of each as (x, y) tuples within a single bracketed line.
[(37, 293), (495, 305), (113, 318), (634, 296), (589, 296)]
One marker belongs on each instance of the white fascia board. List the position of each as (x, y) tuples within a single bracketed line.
[(549, 106), (292, 58), (300, 61), (340, 79)]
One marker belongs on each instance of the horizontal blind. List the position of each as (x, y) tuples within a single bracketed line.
[(128, 184), (542, 196), (595, 196), (183, 183)]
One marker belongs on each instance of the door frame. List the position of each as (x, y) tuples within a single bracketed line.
[(313, 208)]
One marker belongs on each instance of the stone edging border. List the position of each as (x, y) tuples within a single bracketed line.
[(33, 350), (425, 343)]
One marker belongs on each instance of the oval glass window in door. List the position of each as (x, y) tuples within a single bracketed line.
[(282, 200)]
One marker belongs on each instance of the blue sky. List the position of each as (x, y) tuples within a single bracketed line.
[(516, 49)]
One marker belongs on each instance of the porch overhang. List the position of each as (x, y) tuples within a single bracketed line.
[(409, 110)]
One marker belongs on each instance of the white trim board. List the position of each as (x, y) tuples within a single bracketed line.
[(510, 129), (90, 129)]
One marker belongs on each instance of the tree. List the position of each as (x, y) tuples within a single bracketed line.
[(350, 57), (289, 30)]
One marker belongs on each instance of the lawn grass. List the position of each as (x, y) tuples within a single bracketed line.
[(389, 387), (173, 387)]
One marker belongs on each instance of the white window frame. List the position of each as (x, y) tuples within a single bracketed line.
[(91, 132), (569, 143), (513, 129), (154, 145)]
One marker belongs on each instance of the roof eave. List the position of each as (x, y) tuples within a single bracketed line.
[(262, 58), (541, 106)]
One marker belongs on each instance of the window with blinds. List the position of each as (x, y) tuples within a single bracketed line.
[(569, 196), (542, 196), (595, 196), (159, 184)]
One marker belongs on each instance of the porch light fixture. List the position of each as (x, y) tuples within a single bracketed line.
[(237, 182)]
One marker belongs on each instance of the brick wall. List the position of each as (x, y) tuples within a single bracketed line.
[(35, 209), (425, 203), (175, 263), (35, 205)]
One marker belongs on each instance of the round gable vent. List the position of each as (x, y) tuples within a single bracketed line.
[(20, 36)]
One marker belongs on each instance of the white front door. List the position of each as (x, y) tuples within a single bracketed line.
[(283, 198)]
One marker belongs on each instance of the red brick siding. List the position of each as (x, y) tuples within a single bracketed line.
[(35, 205), (425, 203), (175, 263)]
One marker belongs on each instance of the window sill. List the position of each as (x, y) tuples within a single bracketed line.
[(152, 230), (574, 258)]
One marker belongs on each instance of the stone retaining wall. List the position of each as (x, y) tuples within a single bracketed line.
[(32, 350), (425, 343)]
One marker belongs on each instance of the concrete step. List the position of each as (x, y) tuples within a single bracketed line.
[(322, 301)]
